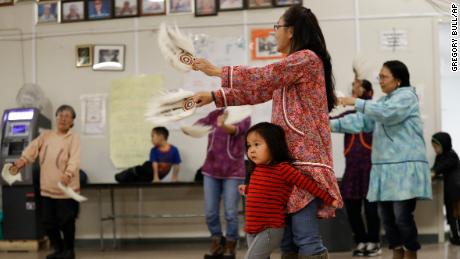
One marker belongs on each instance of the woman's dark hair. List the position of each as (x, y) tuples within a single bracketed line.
[(368, 90), (162, 131), (276, 141), (399, 71), (308, 35), (66, 107)]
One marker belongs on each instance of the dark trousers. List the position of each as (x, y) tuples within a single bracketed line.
[(398, 222), (453, 222), (354, 212), (58, 216)]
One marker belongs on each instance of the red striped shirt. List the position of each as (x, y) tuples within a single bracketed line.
[(268, 192)]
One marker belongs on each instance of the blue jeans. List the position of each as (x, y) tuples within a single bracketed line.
[(302, 232), (398, 221), (214, 189)]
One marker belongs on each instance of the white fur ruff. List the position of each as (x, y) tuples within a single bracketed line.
[(340, 94), (8, 177), (197, 130), (237, 113), (170, 106), (176, 46), (71, 193)]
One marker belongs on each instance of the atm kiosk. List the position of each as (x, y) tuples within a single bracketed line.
[(21, 201)]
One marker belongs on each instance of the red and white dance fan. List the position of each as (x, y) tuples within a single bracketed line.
[(176, 47), (170, 106), (197, 130), (237, 113)]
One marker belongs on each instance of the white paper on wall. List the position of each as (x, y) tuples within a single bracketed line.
[(93, 110), (393, 40)]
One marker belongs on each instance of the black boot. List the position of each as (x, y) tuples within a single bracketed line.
[(455, 238), (56, 242), (54, 255), (66, 254)]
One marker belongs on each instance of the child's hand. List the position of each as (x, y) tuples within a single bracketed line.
[(242, 189), (335, 204)]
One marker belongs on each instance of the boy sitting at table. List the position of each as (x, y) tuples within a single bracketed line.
[(164, 158)]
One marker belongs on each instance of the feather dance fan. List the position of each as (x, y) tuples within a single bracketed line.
[(170, 106), (176, 48)]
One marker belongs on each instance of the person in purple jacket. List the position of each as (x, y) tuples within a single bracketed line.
[(355, 183), (223, 170)]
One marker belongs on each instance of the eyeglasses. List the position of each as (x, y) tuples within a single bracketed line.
[(277, 26), (382, 77)]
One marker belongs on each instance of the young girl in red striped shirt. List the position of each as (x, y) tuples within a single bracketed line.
[(271, 181)]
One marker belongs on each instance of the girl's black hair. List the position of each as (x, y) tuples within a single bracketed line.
[(307, 34), (368, 90), (276, 141), (399, 71)]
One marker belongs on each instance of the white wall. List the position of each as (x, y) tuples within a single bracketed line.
[(46, 55)]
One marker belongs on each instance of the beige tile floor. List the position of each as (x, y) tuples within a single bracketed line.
[(195, 251)]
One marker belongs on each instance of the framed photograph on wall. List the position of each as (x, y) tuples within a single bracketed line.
[(47, 12), (256, 4), (153, 7), (180, 6), (73, 11), (109, 57), (99, 9), (264, 44), (205, 7), (84, 55), (6, 2), (126, 8), (287, 2), (231, 5)]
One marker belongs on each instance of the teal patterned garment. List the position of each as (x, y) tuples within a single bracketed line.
[(400, 169)]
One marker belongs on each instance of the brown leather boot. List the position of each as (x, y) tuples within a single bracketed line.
[(289, 255), (324, 255), (229, 249), (216, 250), (408, 254), (398, 253)]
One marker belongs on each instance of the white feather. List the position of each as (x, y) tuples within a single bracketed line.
[(71, 193), (8, 177), (362, 68), (340, 94), (169, 106), (173, 44), (237, 113), (180, 40), (197, 130)]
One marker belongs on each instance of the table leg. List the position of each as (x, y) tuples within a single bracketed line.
[(101, 221), (114, 222)]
